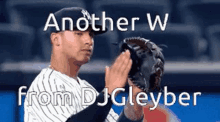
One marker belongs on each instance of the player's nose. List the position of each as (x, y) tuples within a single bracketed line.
[(88, 40)]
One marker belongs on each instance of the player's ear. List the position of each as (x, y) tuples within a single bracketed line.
[(54, 37)]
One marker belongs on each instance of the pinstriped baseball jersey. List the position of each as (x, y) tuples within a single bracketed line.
[(45, 108)]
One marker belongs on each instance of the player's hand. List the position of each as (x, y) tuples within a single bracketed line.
[(116, 76)]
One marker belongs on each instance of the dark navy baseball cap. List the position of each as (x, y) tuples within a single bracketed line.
[(74, 13)]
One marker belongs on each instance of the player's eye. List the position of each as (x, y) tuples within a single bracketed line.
[(79, 33)]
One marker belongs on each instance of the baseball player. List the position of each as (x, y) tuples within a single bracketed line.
[(70, 50)]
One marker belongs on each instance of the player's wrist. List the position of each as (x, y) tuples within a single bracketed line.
[(111, 90)]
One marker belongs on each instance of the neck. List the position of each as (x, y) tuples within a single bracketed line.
[(66, 66)]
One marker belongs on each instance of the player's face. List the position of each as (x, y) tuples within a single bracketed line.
[(78, 45)]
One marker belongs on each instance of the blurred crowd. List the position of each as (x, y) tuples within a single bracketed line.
[(191, 33)]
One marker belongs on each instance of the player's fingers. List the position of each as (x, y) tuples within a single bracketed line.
[(124, 57), (128, 68), (118, 59), (125, 62), (117, 65), (127, 57), (120, 62)]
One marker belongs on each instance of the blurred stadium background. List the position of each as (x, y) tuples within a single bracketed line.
[(192, 36)]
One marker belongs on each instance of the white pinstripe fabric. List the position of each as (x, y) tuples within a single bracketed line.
[(51, 81)]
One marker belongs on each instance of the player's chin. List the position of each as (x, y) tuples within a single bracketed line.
[(85, 60)]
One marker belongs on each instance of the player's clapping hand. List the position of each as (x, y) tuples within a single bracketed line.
[(116, 76)]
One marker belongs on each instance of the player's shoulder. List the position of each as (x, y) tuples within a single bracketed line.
[(44, 74)]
